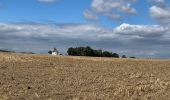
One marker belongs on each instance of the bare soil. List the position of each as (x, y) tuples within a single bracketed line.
[(45, 77)]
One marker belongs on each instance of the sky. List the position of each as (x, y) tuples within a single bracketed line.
[(138, 28)]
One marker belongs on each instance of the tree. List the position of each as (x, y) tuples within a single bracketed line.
[(132, 57), (72, 51), (50, 52), (82, 51), (106, 54), (88, 51), (97, 53), (115, 55), (124, 56)]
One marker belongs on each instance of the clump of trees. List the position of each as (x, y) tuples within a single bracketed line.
[(88, 51), (124, 56), (7, 51), (50, 52)]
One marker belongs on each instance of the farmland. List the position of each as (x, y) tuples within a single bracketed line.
[(45, 77)]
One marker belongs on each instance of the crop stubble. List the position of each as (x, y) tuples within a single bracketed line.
[(45, 77)]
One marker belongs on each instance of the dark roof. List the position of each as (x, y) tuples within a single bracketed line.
[(55, 50)]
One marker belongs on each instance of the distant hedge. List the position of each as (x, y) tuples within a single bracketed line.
[(88, 51), (6, 51)]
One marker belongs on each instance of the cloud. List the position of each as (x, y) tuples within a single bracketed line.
[(47, 1), (141, 30), (105, 6), (160, 14), (160, 11), (113, 8), (157, 1), (39, 37), (89, 15)]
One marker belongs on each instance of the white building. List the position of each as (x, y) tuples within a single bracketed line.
[(55, 52)]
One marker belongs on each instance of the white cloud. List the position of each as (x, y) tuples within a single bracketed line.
[(140, 29), (160, 13), (113, 8), (90, 15), (128, 9), (113, 16), (110, 5)]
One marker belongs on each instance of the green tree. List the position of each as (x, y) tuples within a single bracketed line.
[(132, 57), (115, 55), (124, 56), (71, 51), (50, 52), (106, 54), (88, 51), (97, 53)]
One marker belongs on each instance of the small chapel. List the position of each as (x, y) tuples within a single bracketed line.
[(55, 52)]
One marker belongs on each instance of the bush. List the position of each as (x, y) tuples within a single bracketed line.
[(132, 57)]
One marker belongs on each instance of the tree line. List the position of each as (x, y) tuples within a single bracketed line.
[(88, 51)]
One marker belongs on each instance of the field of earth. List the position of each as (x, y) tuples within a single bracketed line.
[(46, 77)]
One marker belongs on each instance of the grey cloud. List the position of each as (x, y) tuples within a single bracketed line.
[(126, 37), (157, 1)]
